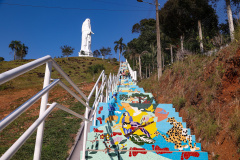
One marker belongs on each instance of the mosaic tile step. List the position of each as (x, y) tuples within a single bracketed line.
[(126, 82), (106, 144), (135, 153), (130, 88), (128, 97), (119, 144)]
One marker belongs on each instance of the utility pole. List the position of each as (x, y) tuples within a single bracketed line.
[(159, 54)]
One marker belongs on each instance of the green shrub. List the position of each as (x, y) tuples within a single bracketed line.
[(95, 68), (114, 59), (179, 102)]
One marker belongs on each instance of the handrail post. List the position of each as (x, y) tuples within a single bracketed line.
[(112, 82), (102, 89), (94, 119), (106, 89), (96, 92), (44, 101), (95, 115), (85, 132)]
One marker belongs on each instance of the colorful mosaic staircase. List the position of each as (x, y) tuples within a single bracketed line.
[(131, 125)]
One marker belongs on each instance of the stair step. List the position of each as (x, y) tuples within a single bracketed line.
[(130, 88), (126, 149), (107, 132), (129, 97), (134, 153)]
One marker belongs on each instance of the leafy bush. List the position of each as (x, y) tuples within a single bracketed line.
[(95, 68), (114, 59), (179, 102)]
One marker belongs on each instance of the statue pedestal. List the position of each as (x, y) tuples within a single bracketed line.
[(86, 54)]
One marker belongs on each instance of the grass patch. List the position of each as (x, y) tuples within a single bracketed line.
[(179, 102), (235, 126)]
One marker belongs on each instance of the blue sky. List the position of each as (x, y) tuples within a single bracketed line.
[(46, 25)]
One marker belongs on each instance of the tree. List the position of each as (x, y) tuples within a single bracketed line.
[(66, 50), (176, 19), (119, 45), (1, 59), (139, 61), (96, 53), (182, 18), (15, 45), (229, 13), (201, 10), (105, 51), (102, 51), (147, 30), (23, 51), (131, 52)]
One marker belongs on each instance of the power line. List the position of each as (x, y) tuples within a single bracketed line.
[(118, 4), (83, 9)]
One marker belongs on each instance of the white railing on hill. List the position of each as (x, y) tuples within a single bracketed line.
[(132, 73), (44, 111)]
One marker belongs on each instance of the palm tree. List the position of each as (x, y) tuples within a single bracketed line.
[(119, 45), (23, 51), (15, 45)]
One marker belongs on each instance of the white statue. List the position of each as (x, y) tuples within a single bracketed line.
[(86, 39)]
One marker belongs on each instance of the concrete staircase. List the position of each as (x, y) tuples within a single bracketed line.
[(132, 126)]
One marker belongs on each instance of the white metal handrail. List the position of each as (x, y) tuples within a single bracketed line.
[(17, 112), (15, 147), (132, 73), (6, 76), (91, 93)]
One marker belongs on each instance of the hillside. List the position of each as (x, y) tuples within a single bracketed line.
[(60, 127), (206, 92)]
